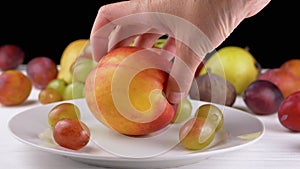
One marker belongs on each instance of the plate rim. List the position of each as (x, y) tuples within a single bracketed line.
[(81, 156)]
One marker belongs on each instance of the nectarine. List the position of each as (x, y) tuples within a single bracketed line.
[(125, 91), (15, 87), (292, 66)]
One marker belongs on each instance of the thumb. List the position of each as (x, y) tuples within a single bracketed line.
[(182, 73)]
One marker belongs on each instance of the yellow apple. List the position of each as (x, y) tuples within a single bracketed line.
[(125, 91)]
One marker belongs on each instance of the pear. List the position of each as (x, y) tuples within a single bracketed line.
[(72, 51), (235, 64)]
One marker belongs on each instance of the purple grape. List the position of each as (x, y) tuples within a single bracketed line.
[(263, 97)]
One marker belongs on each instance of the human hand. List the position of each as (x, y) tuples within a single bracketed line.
[(194, 29)]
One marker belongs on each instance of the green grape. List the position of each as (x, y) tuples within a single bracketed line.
[(49, 95), (74, 90), (58, 84), (212, 113), (183, 111), (160, 43), (82, 68), (196, 133), (63, 111)]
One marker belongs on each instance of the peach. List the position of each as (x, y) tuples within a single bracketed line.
[(15, 87), (125, 91)]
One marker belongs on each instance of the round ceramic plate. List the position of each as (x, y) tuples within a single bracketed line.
[(158, 150)]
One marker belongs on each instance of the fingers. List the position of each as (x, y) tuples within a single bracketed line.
[(256, 6), (122, 36), (182, 73), (170, 45), (104, 25), (125, 42), (114, 27), (146, 40), (142, 35)]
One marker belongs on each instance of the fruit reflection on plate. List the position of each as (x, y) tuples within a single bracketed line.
[(111, 149)]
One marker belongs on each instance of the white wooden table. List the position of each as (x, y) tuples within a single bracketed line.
[(277, 149)]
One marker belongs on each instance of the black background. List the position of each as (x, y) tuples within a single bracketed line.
[(46, 28)]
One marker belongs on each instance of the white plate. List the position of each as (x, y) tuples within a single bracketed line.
[(160, 150)]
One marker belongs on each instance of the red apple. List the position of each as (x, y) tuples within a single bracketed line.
[(289, 112), (11, 56), (125, 91)]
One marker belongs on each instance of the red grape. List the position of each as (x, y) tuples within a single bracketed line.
[(289, 112), (263, 97), (71, 133), (11, 56), (41, 70)]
